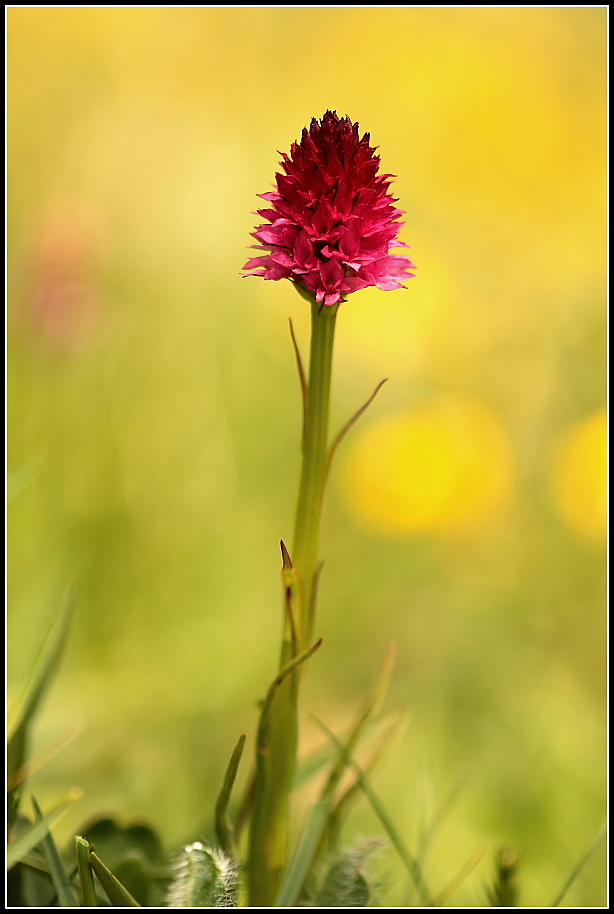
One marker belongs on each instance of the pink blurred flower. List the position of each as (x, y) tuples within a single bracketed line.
[(332, 221), (65, 303)]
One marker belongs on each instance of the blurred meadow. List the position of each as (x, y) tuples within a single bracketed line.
[(154, 415)]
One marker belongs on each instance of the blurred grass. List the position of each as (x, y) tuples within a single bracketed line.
[(157, 390)]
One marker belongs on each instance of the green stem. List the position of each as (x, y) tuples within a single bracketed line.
[(276, 762), (314, 469)]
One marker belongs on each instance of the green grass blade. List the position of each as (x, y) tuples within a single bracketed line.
[(579, 867), (33, 765), (36, 682), (411, 864), (311, 839), (446, 806), (428, 832), (223, 825), (119, 896), (302, 859), (457, 880), (86, 877), (36, 863), (371, 708), (340, 808), (18, 849), (312, 765), (59, 876)]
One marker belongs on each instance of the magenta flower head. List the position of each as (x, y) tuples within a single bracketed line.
[(332, 221)]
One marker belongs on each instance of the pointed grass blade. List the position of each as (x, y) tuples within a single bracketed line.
[(134, 854), (36, 682), (59, 877), (455, 883), (117, 894), (35, 764), (411, 864), (309, 767), (223, 826), (310, 840), (34, 861), (579, 867), (301, 862), (341, 807), (18, 849), (428, 831), (371, 708)]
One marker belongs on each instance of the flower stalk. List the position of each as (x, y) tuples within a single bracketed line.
[(314, 468), (276, 754), (331, 224)]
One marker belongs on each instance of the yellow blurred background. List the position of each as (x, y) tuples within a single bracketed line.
[(154, 413)]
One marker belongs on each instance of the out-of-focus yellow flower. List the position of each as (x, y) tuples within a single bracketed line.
[(443, 467), (579, 476)]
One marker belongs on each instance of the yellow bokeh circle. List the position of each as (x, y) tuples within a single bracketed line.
[(579, 476), (443, 467)]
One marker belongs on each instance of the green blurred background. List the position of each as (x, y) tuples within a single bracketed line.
[(154, 404)]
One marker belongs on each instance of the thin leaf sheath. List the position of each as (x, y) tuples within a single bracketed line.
[(268, 836)]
